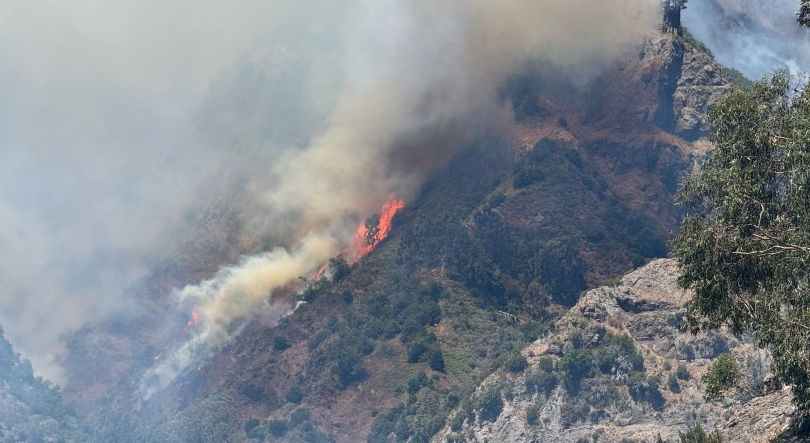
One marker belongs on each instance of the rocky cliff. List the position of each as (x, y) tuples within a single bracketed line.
[(687, 83), (613, 390)]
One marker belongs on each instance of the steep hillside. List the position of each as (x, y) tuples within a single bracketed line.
[(501, 242), (615, 368), (31, 409)]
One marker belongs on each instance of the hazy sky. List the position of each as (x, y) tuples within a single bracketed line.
[(754, 36)]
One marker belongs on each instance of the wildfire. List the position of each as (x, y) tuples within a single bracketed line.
[(195, 317), (368, 237), (157, 357)]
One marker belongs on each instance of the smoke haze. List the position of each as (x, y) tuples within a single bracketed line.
[(753, 36), (120, 119)]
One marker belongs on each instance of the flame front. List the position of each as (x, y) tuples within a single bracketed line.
[(366, 240)]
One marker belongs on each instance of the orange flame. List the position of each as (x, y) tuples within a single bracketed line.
[(157, 357), (366, 240), (195, 317)]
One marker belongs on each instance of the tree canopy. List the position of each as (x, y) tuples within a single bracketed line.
[(804, 13), (744, 246)]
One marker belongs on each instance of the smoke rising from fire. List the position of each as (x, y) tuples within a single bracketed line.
[(424, 77), (752, 36), (124, 118)]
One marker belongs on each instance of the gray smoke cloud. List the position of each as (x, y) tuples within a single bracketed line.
[(753, 36), (119, 119)]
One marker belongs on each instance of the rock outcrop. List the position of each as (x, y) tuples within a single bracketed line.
[(617, 403), (688, 82)]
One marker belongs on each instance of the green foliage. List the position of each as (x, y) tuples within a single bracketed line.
[(736, 77), (696, 434), (43, 400), (415, 384), (340, 269), (723, 375), (803, 16), (280, 343), (278, 428), (576, 365), (298, 417), (436, 360), (210, 421), (250, 424), (395, 421), (573, 411), (251, 391), (528, 177), (744, 247), (618, 353), (541, 382), (532, 414), (513, 361), (682, 372), (294, 395), (645, 389), (695, 43), (489, 404), (672, 384), (350, 369)]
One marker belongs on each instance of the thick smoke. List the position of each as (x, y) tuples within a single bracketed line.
[(421, 77), (121, 119), (753, 36)]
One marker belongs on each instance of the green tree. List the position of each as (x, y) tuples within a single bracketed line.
[(744, 246), (804, 13), (723, 375)]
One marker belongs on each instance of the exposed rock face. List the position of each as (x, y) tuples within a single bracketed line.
[(688, 83), (645, 306), (762, 419)]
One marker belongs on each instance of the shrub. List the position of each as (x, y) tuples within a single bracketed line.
[(340, 269), (696, 434), (299, 416), (541, 382), (722, 376), (682, 372), (417, 383), (573, 411), (280, 344), (528, 177), (294, 395), (532, 414), (349, 369), (645, 389), (436, 360), (348, 298), (490, 404), (546, 363), (277, 428), (577, 364), (515, 362), (615, 350), (250, 424), (672, 384)]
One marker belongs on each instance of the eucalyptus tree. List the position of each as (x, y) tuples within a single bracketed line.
[(744, 245)]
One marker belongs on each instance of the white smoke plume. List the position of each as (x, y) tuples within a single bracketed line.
[(120, 120), (753, 36), (421, 76)]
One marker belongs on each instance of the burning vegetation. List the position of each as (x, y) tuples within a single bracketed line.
[(375, 229)]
